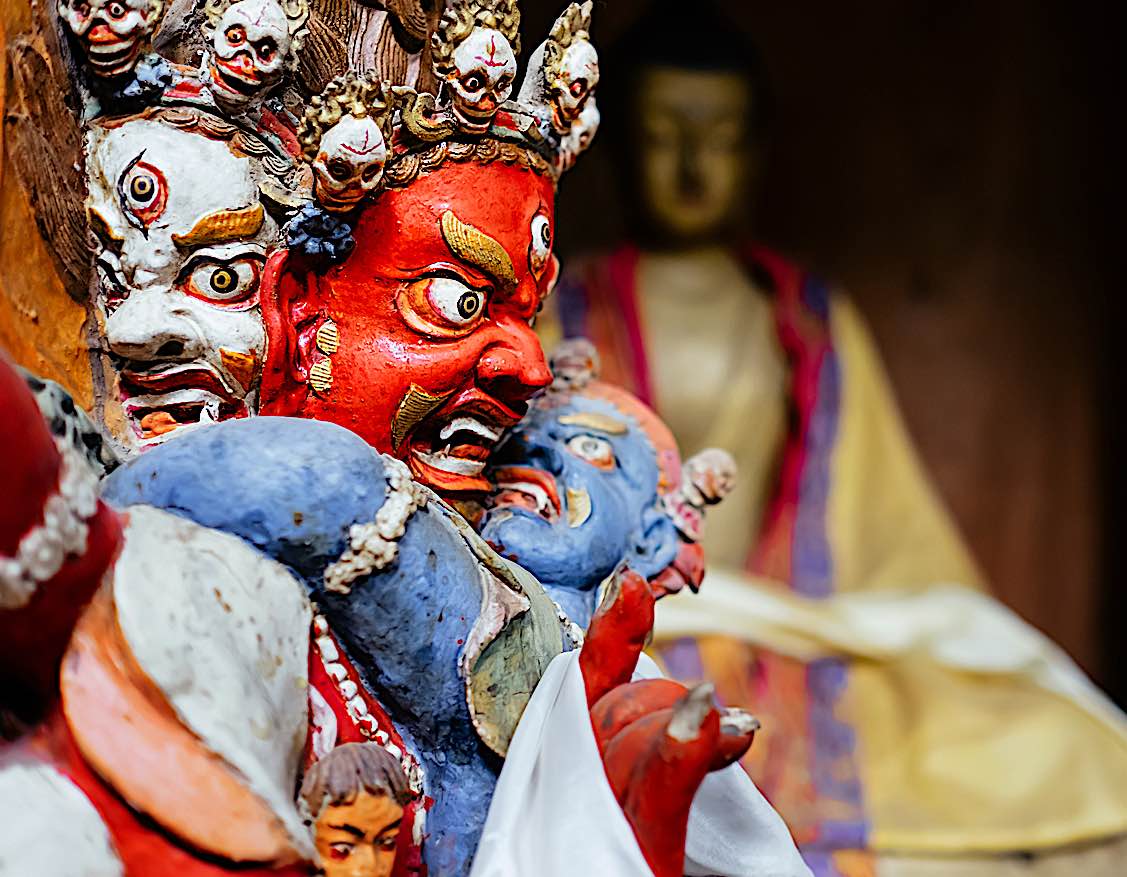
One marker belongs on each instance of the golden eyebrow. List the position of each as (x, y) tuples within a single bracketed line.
[(479, 249), (223, 226), (593, 420)]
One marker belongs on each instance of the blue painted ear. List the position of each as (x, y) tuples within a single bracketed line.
[(655, 545)]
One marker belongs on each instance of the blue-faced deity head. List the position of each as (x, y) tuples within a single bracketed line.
[(584, 485)]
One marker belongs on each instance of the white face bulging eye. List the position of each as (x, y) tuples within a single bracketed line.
[(540, 249), (456, 303), (596, 450), (225, 283), (143, 192)]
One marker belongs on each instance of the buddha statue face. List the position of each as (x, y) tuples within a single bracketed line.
[(431, 354), (695, 150), (179, 265)]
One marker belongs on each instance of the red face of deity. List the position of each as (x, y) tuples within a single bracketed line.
[(430, 352)]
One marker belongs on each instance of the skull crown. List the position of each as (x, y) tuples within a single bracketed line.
[(344, 136), (475, 49), (251, 45), (111, 33), (571, 66)]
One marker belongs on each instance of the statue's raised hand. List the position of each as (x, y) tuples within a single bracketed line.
[(658, 739)]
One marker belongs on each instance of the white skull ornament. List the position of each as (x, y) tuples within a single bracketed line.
[(484, 69), (573, 81), (250, 51), (111, 32), (349, 163)]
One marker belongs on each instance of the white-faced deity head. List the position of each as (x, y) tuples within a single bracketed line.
[(571, 66), (182, 241), (349, 162), (576, 141), (111, 32), (475, 57), (573, 82), (484, 69), (252, 45), (343, 136)]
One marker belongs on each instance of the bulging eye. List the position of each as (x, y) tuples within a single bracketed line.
[(143, 193), (340, 850), (541, 246), (593, 449), (236, 35), (456, 302), (445, 306), (116, 10), (266, 50), (578, 88), (225, 282), (473, 82)]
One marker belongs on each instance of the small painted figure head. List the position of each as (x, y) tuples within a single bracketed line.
[(475, 57), (571, 66), (354, 798), (344, 135), (252, 43), (111, 33), (421, 341), (179, 266), (592, 481)]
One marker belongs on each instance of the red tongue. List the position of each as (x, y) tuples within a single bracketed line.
[(470, 452), (157, 423)]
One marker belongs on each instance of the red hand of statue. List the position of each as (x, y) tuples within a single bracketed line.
[(658, 739)]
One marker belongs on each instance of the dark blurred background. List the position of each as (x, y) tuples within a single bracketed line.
[(951, 165)]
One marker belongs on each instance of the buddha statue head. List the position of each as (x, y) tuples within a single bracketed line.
[(687, 104)]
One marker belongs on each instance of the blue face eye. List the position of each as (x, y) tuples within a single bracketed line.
[(593, 449)]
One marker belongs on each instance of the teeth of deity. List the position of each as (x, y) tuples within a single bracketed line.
[(453, 465), (535, 491), (469, 424)]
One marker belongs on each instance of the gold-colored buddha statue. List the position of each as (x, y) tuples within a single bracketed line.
[(911, 724)]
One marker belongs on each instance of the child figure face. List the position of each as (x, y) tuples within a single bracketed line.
[(358, 838)]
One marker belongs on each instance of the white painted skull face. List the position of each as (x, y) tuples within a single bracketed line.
[(576, 77), (111, 32), (485, 67), (350, 163), (249, 51), (183, 239), (579, 138)]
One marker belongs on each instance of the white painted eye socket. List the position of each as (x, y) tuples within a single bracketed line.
[(455, 302), (225, 282), (541, 247), (593, 449)]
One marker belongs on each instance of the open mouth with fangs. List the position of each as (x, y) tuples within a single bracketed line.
[(160, 402), (522, 487), (236, 76), (449, 449)]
